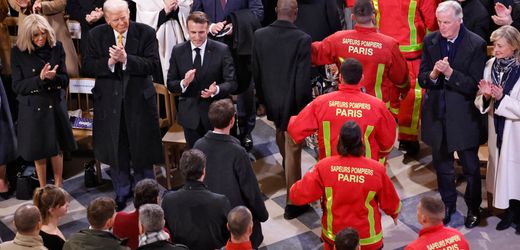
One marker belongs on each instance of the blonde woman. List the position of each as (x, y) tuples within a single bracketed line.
[(499, 97), (53, 203), (40, 80)]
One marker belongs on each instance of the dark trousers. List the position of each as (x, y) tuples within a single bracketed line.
[(192, 135), (120, 172), (246, 111), (443, 164)]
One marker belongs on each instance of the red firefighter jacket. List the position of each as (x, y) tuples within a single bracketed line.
[(327, 114), (385, 72), (439, 237), (353, 189), (407, 22)]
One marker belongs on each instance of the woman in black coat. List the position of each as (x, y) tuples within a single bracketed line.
[(40, 80)]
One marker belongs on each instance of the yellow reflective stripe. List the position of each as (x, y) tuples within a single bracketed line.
[(387, 150), (326, 138), (379, 81), (382, 160), (371, 220), (394, 111), (413, 129), (371, 240), (411, 22), (369, 130), (378, 15), (328, 196), (341, 59), (410, 48), (402, 86), (398, 208)]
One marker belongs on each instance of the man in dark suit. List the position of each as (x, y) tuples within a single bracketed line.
[(220, 12), (202, 71), (229, 170), (281, 68), (452, 65), (122, 57), (195, 215)]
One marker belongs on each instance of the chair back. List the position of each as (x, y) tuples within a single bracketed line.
[(163, 105)]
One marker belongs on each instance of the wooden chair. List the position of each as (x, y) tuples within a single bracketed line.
[(163, 97), (79, 96), (174, 143)]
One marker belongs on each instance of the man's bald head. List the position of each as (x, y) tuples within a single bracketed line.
[(287, 10), (27, 219)]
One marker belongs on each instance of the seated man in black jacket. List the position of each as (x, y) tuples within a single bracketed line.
[(100, 214), (228, 170), (196, 216)]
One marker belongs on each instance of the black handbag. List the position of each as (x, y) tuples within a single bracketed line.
[(90, 174), (26, 183)]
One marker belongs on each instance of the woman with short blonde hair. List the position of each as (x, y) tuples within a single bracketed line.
[(40, 79)]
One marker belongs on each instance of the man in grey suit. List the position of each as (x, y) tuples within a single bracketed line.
[(451, 66), (201, 71)]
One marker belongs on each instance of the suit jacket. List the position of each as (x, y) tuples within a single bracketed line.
[(77, 10), (130, 91), (229, 172), (318, 18), (42, 109), (196, 216), (217, 66), (476, 18), (216, 14), (281, 69), (463, 122)]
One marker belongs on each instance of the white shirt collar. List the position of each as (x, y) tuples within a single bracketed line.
[(202, 47), (453, 40), (124, 35)]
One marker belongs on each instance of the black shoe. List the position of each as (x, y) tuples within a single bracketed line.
[(293, 211), (247, 142), (472, 219), (506, 222), (448, 211), (7, 195), (411, 147), (121, 203)]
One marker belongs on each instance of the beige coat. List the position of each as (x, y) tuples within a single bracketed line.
[(24, 242), (5, 41), (53, 11)]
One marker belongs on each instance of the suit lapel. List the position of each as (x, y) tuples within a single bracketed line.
[(461, 50), (131, 41), (208, 56), (436, 48)]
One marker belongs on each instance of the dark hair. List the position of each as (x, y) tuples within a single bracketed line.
[(26, 218), (347, 239), (433, 208), (192, 164), (239, 219), (146, 191), (349, 142), (47, 197), (99, 211), (198, 17), (351, 71), (363, 11), (220, 113)]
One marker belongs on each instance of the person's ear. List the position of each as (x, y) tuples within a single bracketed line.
[(227, 225)]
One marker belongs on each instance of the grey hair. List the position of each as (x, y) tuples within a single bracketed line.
[(151, 217), (512, 37), (450, 5), (115, 5)]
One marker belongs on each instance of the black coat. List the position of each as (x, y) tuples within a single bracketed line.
[(476, 18), (162, 245), (229, 172), (463, 122), (130, 91), (217, 66), (318, 18), (43, 123), (7, 133), (196, 216), (281, 68)]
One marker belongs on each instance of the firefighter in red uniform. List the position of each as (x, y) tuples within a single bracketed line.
[(434, 235), (408, 21), (353, 190), (386, 72), (327, 113)]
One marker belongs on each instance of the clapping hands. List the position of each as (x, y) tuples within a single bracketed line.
[(170, 5), (503, 15), (117, 54), (37, 6), (441, 66), (47, 72), (94, 15), (490, 90)]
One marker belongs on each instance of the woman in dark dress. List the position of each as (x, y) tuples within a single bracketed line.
[(40, 80), (7, 140), (53, 203)]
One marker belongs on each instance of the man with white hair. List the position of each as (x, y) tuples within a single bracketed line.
[(151, 226), (122, 57), (452, 64)]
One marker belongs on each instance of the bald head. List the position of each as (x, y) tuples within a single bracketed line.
[(27, 219), (287, 10)]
